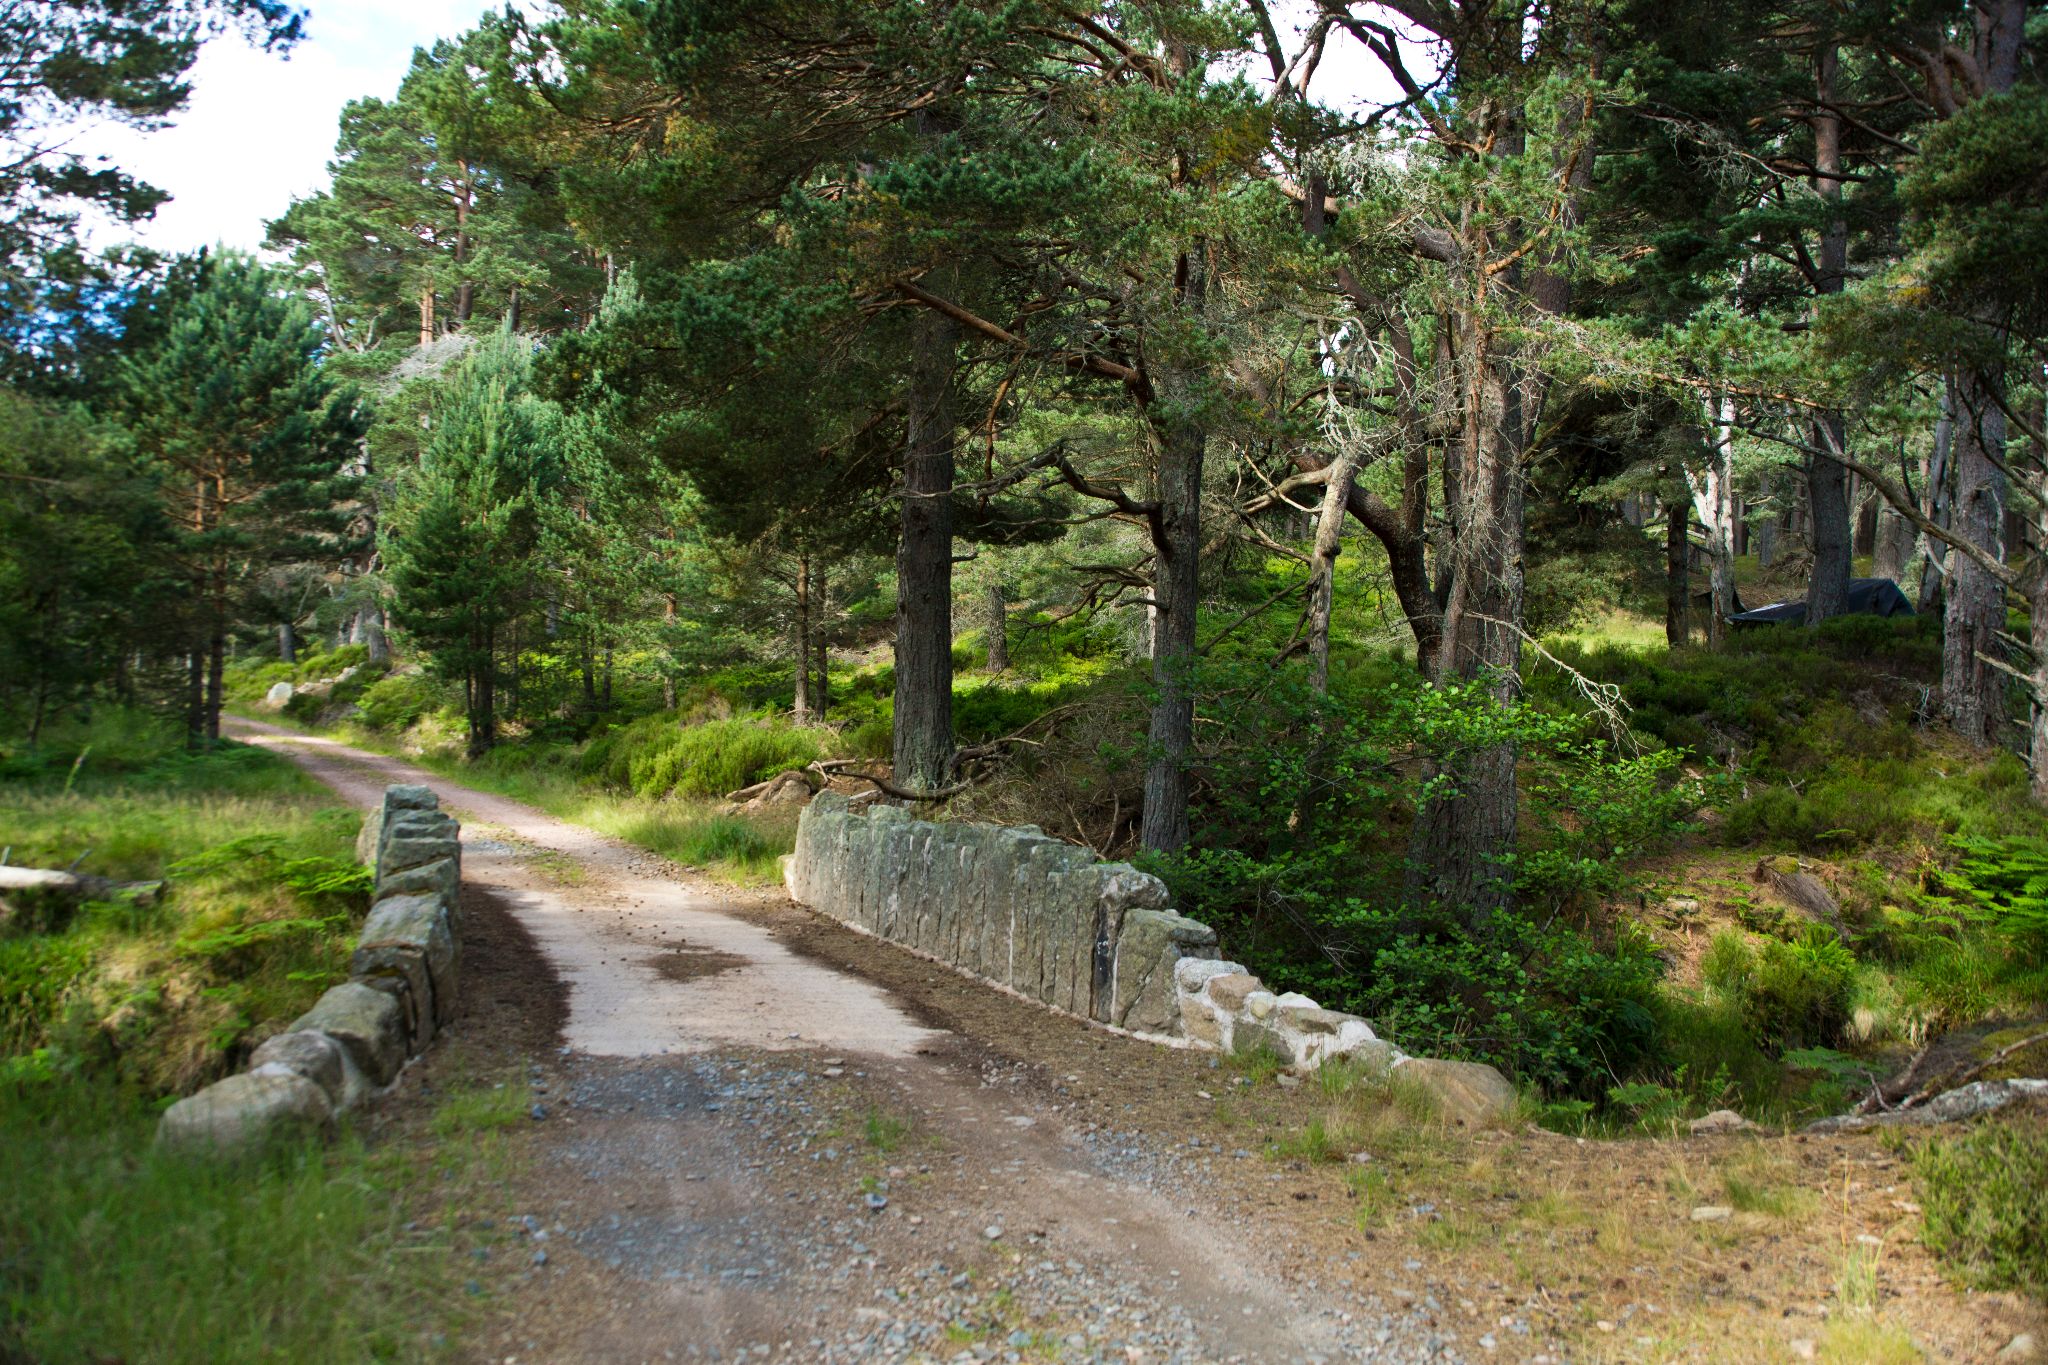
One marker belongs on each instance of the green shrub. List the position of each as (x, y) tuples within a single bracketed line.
[(1788, 994), (396, 701), (1985, 1197), (1300, 859), (654, 757)]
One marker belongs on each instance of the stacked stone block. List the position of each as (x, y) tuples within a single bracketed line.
[(404, 977)]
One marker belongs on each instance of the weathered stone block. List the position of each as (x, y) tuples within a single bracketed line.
[(243, 1113), (410, 796), (410, 936), (1192, 973), (1148, 949), (1199, 1024), (1312, 1018), (1260, 1004), (1354, 1032), (1249, 1038), (315, 1056), (1372, 1056), (1230, 990), (1468, 1093), (369, 1023), (439, 878), (403, 852)]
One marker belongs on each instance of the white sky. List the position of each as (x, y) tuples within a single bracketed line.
[(260, 128)]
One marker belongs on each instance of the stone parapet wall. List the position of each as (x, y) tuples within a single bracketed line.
[(404, 977), (1014, 906), (1047, 920)]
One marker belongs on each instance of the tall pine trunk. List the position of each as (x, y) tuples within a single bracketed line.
[(1713, 498), (1827, 495), (287, 643), (1827, 482), (483, 693), (1677, 582), (216, 672), (1973, 690), (195, 698), (821, 694), (923, 746), (1462, 839), (1176, 591)]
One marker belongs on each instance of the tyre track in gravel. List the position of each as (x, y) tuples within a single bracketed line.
[(703, 1191)]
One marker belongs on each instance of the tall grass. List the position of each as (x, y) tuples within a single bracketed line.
[(115, 1251)]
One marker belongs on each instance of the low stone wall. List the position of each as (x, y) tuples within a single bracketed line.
[(1099, 940), (1010, 905), (402, 989)]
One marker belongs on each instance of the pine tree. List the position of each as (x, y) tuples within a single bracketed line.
[(460, 532), (251, 437)]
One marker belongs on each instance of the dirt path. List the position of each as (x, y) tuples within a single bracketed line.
[(750, 1151)]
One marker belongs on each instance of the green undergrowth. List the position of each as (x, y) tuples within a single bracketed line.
[(1985, 1196), (116, 1251), (311, 1251), (256, 917)]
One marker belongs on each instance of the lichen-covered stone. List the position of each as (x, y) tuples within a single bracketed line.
[(366, 1021), (438, 878), (414, 928), (401, 852), (1010, 904), (245, 1112), (410, 796)]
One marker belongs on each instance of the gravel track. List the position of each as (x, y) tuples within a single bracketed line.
[(746, 1152)]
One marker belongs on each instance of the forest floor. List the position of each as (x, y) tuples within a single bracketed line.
[(756, 1134)]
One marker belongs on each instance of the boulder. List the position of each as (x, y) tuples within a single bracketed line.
[(245, 1112), (1190, 974), (781, 791), (1720, 1121), (409, 938), (1807, 893), (1261, 1004), (314, 1056), (1249, 1038), (1373, 1056), (366, 1021), (1468, 1093), (278, 695)]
